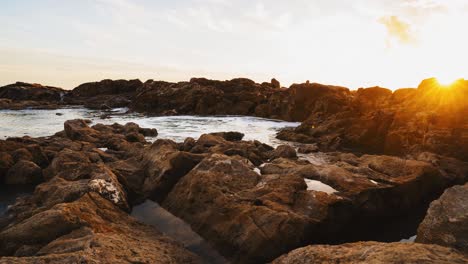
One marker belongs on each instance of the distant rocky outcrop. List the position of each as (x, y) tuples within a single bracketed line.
[(22, 95), (240, 97), (408, 121), (105, 94)]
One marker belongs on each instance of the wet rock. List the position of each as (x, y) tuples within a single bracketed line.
[(230, 136), (446, 221), (378, 191), (248, 217), (189, 143), (307, 148), (24, 172), (379, 185), (283, 151), (135, 137), (210, 140), (372, 252), (78, 129)]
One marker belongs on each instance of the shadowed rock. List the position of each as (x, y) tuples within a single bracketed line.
[(446, 221)]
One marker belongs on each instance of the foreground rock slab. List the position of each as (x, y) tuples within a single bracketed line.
[(88, 230), (373, 252)]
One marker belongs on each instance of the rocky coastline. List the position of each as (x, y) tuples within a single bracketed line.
[(396, 166)]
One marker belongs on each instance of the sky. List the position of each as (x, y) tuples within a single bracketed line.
[(352, 43)]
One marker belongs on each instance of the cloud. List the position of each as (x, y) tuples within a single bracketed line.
[(397, 30)]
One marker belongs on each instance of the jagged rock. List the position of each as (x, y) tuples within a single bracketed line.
[(446, 221), (248, 217), (78, 129), (163, 166), (90, 229), (430, 118), (284, 151)]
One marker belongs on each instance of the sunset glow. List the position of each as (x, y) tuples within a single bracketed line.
[(446, 82), (356, 44)]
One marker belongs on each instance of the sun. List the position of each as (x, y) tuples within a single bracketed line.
[(446, 81)]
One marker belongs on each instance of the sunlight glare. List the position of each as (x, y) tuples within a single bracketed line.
[(446, 80)]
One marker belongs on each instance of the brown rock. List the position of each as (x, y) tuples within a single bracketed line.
[(247, 217), (6, 162), (372, 252), (308, 148), (24, 172), (90, 229), (31, 92), (283, 151), (78, 129), (230, 136), (446, 221), (164, 165), (409, 121)]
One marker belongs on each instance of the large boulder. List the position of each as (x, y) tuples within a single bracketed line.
[(372, 252), (283, 151), (89, 229), (387, 196), (164, 165), (246, 216), (446, 221)]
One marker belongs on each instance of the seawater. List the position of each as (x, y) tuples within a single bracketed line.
[(39, 123)]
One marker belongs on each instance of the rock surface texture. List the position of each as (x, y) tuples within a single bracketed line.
[(446, 221), (373, 252), (79, 213)]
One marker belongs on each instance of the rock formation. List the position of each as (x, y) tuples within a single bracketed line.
[(387, 156), (446, 221), (373, 252), (375, 120)]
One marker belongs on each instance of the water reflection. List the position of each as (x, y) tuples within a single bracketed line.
[(152, 214)]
